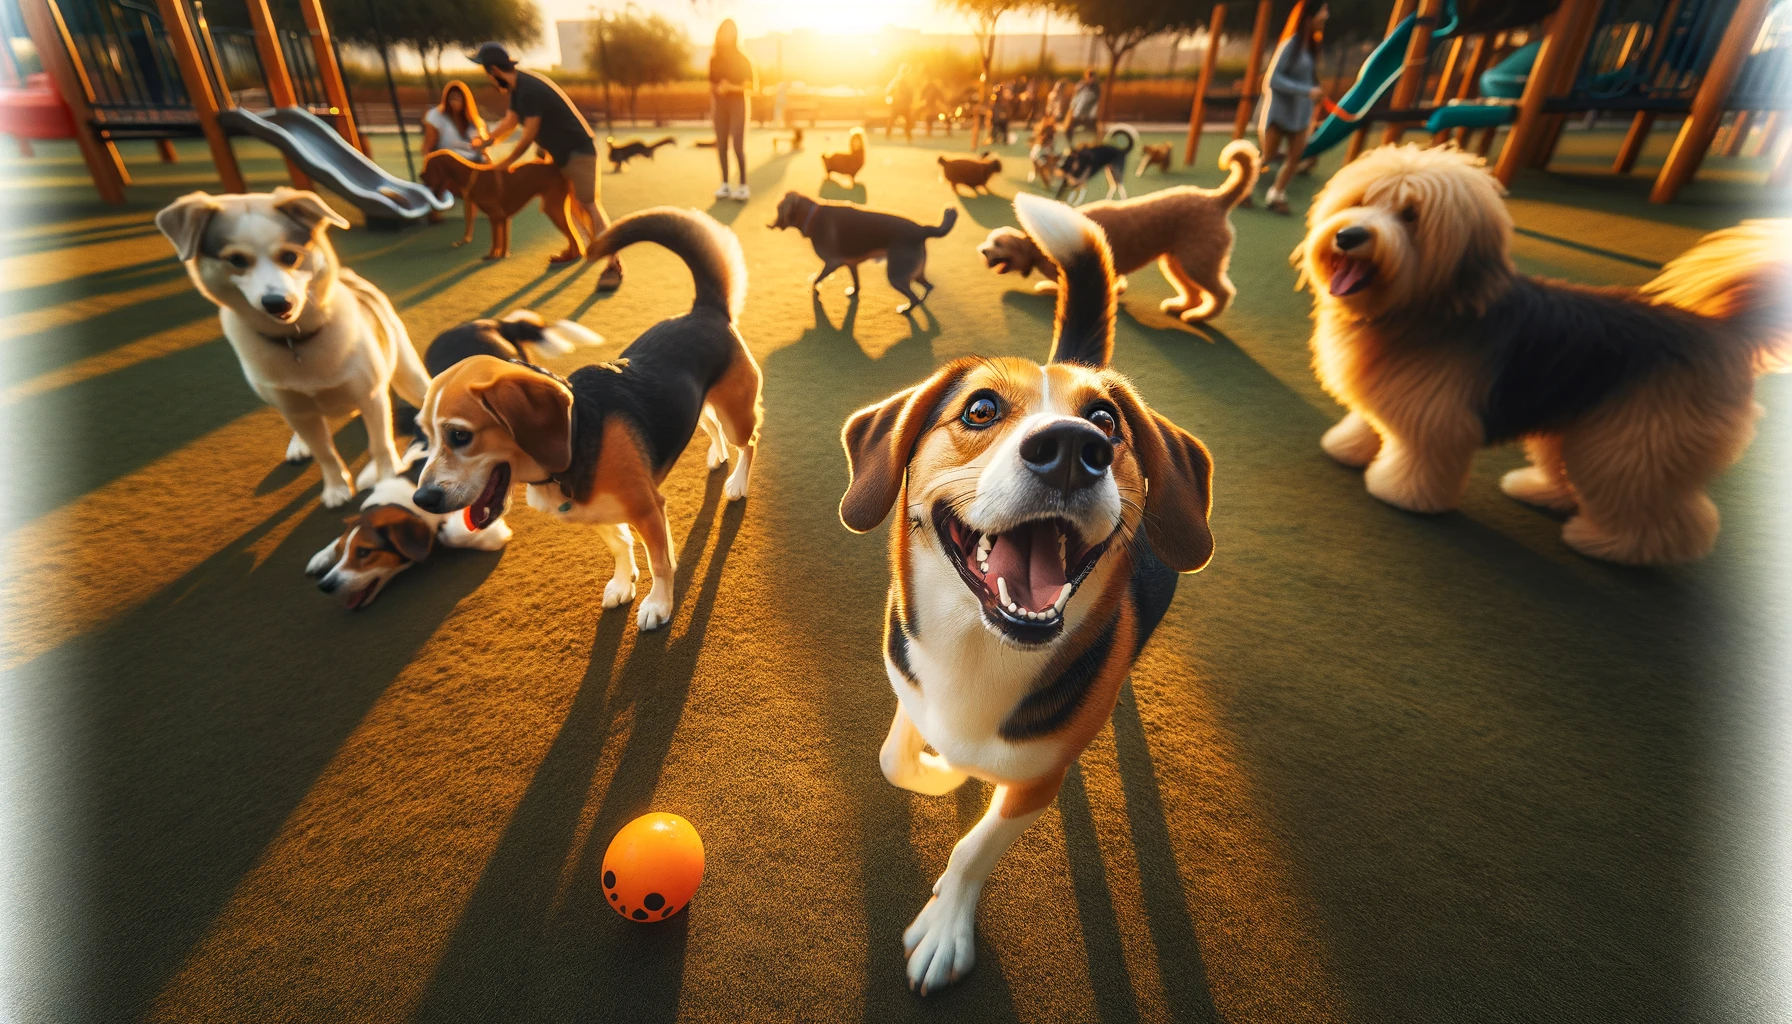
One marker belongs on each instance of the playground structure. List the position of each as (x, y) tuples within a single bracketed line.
[(124, 69)]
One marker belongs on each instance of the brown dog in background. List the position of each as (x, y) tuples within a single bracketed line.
[(1154, 156), (479, 188), (794, 143), (1187, 230), (849, 163), (970, 172)]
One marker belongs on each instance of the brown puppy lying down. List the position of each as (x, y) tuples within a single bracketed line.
[(1042, 514), (849, 163), (1185, 229), (968, 172), (594, 447), (845, 235), (478, 186), (1154, 156)]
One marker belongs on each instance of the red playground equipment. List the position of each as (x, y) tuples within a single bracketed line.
[(34, 111)]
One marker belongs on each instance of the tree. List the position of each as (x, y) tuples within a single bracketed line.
[(633, 49), (433, 26), (984, 14), (1122, 25)]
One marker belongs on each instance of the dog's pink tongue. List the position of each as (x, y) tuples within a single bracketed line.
[(1027, 559), (1350, 276)]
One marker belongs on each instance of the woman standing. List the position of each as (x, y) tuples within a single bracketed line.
[(454, 125), (731, 81), (1289, 92)]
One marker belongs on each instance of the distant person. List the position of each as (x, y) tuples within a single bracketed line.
[(454, 124), (548, 118), (731, 80), (933, 104), (1085, 107), (1289, 92), (1001, 107), (1057, 103), (900, 95)]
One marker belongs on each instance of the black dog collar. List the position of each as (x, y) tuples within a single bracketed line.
[(293, 341)]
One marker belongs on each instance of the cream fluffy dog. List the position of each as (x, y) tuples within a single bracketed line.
[(1628, 402), (314, 339)]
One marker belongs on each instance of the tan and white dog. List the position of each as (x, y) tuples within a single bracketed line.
[(1044, 512), (1628, 401), (314, 339)]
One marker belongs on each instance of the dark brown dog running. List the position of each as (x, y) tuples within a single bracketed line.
[(968, 172), (845, 235), (479, 187)]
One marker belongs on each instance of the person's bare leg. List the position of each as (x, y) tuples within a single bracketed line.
[(1277, 198)]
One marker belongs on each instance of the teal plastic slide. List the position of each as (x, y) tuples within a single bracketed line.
[(331, 162), (1378, 75), (1503, 81)]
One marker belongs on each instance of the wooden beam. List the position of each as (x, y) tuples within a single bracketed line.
[(1781, 174), (1412, 72), (62, 62), (1770, 133), (1634, 140), (1700, 126), (1544, 148), (334, 87), (1253, 75), (273, 67), (1739, 126), (1443, 81), (199, 91), (1198, 113), (1469, 85), (1531, 122)]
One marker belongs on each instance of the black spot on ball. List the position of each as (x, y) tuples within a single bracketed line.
[(666, 912), (639, 915), (609, 879), (612, 897), (654, 901)]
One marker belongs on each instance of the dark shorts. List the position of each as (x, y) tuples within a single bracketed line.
[(580, 171)]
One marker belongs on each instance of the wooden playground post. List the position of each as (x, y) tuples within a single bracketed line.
[(1449, 74), (1253, 75), (1544, 149), (199, 91), (56, 52), (1360, 137), (1737, 133), (1199, 112), (1700, 127), (1412, 72), (273, 63), (1644, 121), (1466, 88), (1550, 57), (334, 88)]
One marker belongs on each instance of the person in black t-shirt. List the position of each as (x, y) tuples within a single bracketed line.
[(549, 118)]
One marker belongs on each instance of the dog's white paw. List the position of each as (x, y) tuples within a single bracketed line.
[(928, 774), (323, 561), (1535, 487), (941, 944), (369, 475), (337, 492), (738, 482), (492, 538), (1390, 480), (718, 454), (1352, 441), (656, 611), (618, 592), (297, 450)]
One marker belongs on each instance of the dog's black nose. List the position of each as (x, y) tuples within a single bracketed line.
[(1069, 454), (1350, 238), (430, 499), (329, 584), (276, 305)]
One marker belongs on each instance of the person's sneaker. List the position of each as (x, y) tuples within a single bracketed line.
[(742, 192), (611, 278), (726, 191)]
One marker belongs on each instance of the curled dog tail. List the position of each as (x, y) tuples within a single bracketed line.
[(1084, 331), (949, 218), (525, 327), (709, 249), (1743, 276), (1127, 132), (1244, 161), (657, 143)]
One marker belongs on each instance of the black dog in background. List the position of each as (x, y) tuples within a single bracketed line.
[(1083, 163), (622, 152), (845, 235)]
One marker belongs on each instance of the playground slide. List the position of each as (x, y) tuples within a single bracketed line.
[(1504, 81), (334, 164), (1378, 75)]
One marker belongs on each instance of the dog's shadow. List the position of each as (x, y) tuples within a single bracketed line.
[(988, 209), (831, 189)]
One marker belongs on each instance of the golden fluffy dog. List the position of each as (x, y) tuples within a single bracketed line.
[(1628, 402), (1043, 515), (1187, 230)]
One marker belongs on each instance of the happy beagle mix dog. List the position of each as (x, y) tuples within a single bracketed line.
[(1044, 514), (314, 339), (594, 447)]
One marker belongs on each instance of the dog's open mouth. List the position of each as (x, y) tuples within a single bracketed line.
[(360, 599), (1024, 577), (489, 507), (1351, 275)]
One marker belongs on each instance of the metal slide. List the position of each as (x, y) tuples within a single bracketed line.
[(331, 162)]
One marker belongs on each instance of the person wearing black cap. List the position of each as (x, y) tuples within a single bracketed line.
[(549, 118)]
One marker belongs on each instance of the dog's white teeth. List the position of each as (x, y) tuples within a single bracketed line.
[(983, 546), (1002, 592), (983, 567), (1063, 598)]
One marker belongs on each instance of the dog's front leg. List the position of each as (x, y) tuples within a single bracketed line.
[(941, 944), (314, 430), (1352, 441), (324, 560), (621, 542), (471, 211), (827, 270), (376, 416), (1425, 474), (656, 611), (906, 762)]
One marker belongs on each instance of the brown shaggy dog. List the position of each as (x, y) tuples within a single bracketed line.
[(849, 163), (1154, 156), (1186, 230), (478, 186), (970, 172), (1628, 401)]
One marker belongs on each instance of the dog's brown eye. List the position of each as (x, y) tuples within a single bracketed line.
[(1410, 214), (1104, 421), (237, 260), (981, 411), (458, 438), (289, 258)]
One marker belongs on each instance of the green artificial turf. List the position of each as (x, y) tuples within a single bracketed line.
[(1373, 767)]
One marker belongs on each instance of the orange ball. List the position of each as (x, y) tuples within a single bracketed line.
[(653, 867)]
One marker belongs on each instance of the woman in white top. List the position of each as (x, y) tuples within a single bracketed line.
[(454, 124)]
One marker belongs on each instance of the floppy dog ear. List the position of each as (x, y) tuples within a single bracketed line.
[(537, 410), (879, 441), (1178, 482), (410, 535), (307, 208), (184, 222)]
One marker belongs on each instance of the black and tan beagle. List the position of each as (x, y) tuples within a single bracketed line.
[(1045, 512)]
